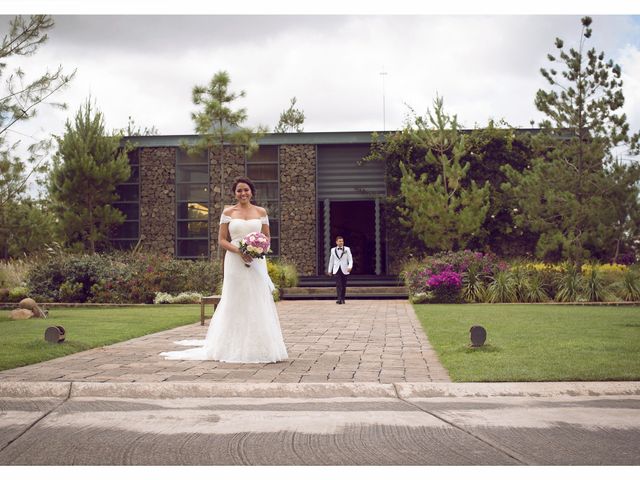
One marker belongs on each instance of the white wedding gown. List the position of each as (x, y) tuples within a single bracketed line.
[(245, 327)]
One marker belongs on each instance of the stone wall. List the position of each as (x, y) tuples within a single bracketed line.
[(158, 199), (298, 206), (234, 166)]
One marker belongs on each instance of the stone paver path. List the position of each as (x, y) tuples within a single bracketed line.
[(360, 341)]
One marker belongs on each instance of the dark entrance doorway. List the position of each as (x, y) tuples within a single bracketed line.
[(356, 222)]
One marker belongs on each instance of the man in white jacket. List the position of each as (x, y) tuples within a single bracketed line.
[(340, 265)]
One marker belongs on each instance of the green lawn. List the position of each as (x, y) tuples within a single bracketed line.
[(22, 341), (536, 343)]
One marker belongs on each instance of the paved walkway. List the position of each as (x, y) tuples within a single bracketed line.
[(360, 341)]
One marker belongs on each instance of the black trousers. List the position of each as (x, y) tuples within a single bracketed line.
[(341, 284)]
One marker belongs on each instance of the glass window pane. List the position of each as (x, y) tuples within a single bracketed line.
[(193, 248), (275, 246), (184, 157), (193, 229), (262, 172), (274, 227), (193, 211), (193, 173), (267, 191), (131, 210), (134, 177), (126, 230), (134, 157), (127, 192), (266, 153), (195, 192)]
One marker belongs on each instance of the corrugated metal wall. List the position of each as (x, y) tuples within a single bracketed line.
[(341, 178)]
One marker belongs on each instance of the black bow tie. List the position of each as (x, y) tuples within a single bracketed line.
[(339, 248)]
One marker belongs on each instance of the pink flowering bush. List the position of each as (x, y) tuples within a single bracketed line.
[(443, 277), (445, 287)]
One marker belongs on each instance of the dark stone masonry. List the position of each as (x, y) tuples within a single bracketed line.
[(233, 167), (158, 199), (298, 206)]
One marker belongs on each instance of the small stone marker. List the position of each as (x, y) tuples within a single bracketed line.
[(54, 334), (30, 304), (478, 335), (20, 314)]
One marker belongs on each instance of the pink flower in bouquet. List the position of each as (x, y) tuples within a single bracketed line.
[(255, 244)]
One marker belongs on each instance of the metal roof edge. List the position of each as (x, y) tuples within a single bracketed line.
[(302, 138)]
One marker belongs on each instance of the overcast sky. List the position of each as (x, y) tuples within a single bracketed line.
[(484, 66)]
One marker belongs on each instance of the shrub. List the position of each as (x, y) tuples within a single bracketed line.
[(502, 288), (629, 287), (475, 266), (473, 287), (445, 287), (182, 298), (13, 273), (17, 293), (71, 292), (46, 278), (569, 285), (422, 297), (536, 288), (520, 282), (594, 288), (121, 277), (283, 273)]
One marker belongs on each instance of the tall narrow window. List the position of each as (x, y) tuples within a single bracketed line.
[(192, 205), (126, 236), (262, 169)]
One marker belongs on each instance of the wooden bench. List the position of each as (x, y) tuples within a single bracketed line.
[(212, 300)]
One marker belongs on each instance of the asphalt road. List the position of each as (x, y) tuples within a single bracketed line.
[(319, 425)]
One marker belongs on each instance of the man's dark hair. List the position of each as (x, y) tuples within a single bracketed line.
[(339, 237)]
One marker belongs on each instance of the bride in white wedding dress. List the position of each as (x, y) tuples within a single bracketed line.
[(245, 327)]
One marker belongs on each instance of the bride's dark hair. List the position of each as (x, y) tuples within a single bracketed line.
[(238, 180)]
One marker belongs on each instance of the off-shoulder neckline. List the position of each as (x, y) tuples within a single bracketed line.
[(245, 219)]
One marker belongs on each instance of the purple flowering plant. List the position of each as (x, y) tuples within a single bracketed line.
[(442, 275)]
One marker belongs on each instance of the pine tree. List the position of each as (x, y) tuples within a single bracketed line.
[(291, 119), (87, 168), (445, 212), (567, 193), (219, 125), (19, 100)]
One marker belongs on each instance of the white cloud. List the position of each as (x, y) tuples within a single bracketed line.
[(484, 66)]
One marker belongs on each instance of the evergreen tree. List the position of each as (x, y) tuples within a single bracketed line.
[(442, 212), (219, 125), (19, 100), (291, 119), (487, 150), (568, 193), (31, 228), (86, 170)]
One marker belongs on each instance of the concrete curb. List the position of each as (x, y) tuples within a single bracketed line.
[(516, 389), (256, 390), (314, 390), (34, 389)]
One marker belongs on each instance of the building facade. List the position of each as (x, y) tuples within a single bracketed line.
[(314, 186)]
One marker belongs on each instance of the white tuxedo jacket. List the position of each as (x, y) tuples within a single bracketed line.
[(343, 262)]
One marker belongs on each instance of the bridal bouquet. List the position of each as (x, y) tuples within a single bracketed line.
[(255, 244)]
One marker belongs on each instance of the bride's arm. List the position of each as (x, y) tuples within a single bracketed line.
[(223, 241), (265, 226)]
